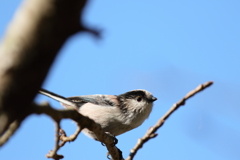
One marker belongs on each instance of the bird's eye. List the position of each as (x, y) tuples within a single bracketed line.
[(139, 98)]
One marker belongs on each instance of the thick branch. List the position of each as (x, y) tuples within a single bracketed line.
[(10, 131), (151, 133), (34, 37)]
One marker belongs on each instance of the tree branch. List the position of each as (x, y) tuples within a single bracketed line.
[(64, 138), (10, 131), (32, 40), (83, 122), (151, 133), (53, 153)]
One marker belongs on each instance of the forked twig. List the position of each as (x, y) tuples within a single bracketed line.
[(64, 138), (151, 131)]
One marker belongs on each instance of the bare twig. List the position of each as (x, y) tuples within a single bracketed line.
[(151, 131), (64, 138), (57, 137), (53, 153), (54, 156), (82, 121)]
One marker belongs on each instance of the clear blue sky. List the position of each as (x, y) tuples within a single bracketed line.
[(166, 47)]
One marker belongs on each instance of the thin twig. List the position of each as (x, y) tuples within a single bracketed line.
[(151, 131), (57, 137), (64, 138), (53, 153)]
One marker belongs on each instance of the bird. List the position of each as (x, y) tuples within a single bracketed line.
[(116, 114)]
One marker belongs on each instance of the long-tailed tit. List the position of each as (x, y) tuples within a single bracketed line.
[(116, 114)]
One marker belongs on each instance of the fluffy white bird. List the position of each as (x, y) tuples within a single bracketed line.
[(116, 114)]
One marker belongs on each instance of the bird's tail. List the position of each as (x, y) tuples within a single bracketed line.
[(57, 97)]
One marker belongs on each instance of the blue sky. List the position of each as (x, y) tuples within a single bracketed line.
[(165, 47)]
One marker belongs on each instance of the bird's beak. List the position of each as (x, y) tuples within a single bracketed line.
[(153, 99)]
